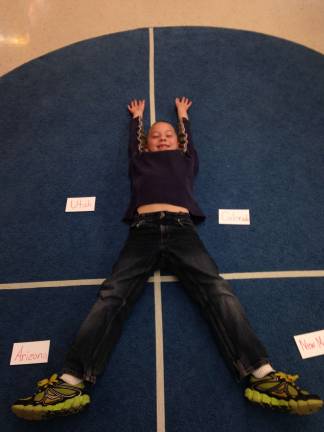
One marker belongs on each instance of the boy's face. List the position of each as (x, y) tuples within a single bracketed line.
[(161, 137)]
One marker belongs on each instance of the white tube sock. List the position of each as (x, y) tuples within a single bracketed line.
[(70, 379), (262, 371)]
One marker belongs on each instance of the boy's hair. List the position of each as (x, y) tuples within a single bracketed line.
[(142, 137)]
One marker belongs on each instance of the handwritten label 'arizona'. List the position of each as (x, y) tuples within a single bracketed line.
[(30, 352)]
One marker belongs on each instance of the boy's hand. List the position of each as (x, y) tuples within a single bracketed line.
[(183, 105), (136, 107)]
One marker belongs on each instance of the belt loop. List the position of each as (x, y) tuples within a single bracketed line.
[(140, 222), (162, 215)]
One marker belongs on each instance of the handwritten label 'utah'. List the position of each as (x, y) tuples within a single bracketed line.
[(81, 204)]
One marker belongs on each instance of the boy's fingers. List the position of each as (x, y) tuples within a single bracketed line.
[(183, 99), (137, 102), (136, 105)]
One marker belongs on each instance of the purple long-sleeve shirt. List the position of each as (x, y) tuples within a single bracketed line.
[(162, 176)]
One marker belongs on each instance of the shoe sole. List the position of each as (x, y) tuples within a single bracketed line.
[(292, 406), (68, 407)]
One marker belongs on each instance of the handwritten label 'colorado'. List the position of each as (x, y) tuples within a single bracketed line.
[(233, 217)]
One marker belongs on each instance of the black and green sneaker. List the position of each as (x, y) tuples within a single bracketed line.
[(278, 391), (53, 398)]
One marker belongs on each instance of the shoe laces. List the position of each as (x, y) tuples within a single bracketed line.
[(44, 383), (291, 379), (287, 377)]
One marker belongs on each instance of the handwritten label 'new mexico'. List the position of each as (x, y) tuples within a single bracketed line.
[(310, 344), (30, 352)]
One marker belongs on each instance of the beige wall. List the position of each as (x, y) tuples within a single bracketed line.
[(30, 28)]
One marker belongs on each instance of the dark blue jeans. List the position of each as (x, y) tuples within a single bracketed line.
[(169, 240)]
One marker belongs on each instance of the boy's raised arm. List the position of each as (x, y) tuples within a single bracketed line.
[(136, 109), (183, 104)]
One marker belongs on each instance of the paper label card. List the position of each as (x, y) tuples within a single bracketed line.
[(82, 204), (310, 344), (30, 352), (233, 217)]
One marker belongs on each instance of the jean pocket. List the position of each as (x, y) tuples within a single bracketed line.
[(137, 223), (142, 223), (185, 223)]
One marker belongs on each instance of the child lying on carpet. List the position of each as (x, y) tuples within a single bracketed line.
[(162, 215)]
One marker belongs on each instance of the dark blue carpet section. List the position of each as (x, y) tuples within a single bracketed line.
[(258, 125), (64, 133), (125, 395), (200, 390)]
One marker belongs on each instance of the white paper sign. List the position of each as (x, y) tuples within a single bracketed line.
[(30, 352), (82, 204), (233, 217), (310, 344)]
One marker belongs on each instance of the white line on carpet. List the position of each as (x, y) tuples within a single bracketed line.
[(160, 400), (151, 76), (166, 278)]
